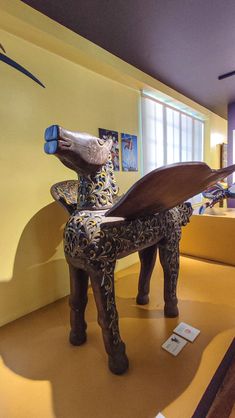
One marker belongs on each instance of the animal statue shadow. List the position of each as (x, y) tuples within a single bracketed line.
[(103, 228), (39, 268)]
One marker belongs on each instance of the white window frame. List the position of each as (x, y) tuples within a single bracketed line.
[(149, 146)]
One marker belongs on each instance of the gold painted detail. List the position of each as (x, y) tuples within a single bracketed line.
[(66, 193), (99, 245), (98, 191)]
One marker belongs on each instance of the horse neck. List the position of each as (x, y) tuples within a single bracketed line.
[(98, 191)]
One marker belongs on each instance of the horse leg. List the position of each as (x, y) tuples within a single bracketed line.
[(102, 281), (78, 301), (147, 262), (169, 259)]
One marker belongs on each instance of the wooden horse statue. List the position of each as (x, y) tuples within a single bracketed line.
[(103, 228)]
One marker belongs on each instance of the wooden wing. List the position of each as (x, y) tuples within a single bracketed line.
[(66, 193), (166, 187)]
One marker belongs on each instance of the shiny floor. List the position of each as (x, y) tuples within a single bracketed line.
[(43, 376)]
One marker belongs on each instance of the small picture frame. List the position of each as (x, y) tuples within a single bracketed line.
[(223, 155), (129, 152)]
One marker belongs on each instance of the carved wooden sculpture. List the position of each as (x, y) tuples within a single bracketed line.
[(102, 229)]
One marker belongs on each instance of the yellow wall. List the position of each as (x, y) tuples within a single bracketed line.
[(32, 269), (86, 88)]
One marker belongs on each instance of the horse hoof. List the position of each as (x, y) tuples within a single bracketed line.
[(171, 311), (119, 363), (77, 339), (142, 300)]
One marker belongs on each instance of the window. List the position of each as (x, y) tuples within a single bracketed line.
[(170, 136)]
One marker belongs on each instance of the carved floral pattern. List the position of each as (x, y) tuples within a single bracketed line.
[(97, 191), (98, 244), (66, 193)]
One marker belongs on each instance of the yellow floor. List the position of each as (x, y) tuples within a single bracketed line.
[(42, 376)]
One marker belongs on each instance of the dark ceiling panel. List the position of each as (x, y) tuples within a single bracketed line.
[(186, 44)]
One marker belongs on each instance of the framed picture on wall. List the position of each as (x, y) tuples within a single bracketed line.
[(129, 152), (223, 156), (107, 134)]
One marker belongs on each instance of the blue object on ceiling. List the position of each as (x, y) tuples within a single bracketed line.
[(2, 48), (18, 67)]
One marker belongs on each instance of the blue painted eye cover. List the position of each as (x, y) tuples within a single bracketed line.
[(51, 138)]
